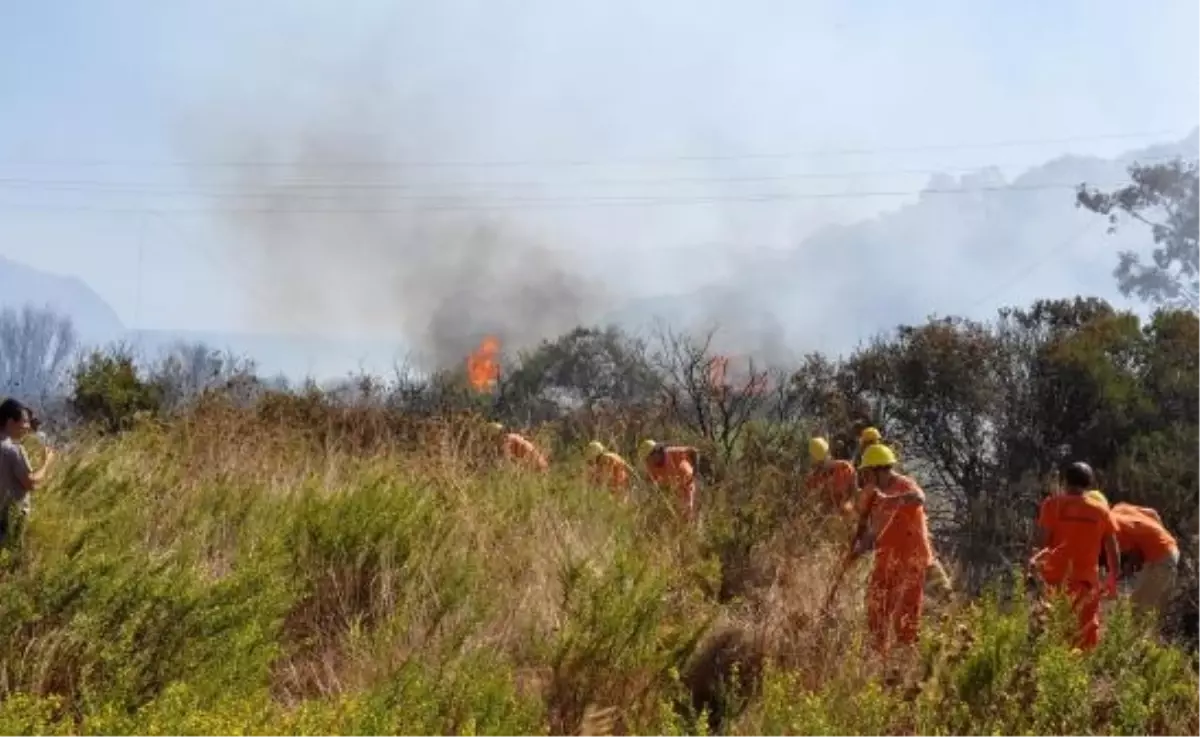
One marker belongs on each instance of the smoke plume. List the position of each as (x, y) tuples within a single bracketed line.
[(331, 238)]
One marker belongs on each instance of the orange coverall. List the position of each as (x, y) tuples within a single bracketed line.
[(1076, 528), (611, 470), (833, 485), (1140, 530), (676, 471), (519, 448), (896, 590)]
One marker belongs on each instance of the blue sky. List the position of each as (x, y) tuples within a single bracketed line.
[(108, 107)]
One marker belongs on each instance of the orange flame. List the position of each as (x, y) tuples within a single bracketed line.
[(482, 367)]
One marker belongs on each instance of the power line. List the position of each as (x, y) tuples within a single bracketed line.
[(451, 197), (482, 164), (311, 190), (274, 189), (457, 204)]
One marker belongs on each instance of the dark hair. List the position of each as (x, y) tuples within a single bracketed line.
[(11, 409), (1079, 475)]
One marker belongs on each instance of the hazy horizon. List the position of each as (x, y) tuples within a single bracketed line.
[(373, 171)]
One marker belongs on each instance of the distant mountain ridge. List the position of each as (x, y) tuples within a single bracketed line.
[(995, 243), (94, 319), (97, 324)]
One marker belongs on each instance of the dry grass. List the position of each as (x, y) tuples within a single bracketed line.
[(352, 572)]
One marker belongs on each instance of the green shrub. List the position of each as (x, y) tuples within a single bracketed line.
[(109, 392)]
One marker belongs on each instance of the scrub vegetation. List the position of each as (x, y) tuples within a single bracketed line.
[(228, 573)]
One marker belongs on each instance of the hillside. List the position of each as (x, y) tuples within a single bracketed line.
[(227, 575), (94, 319)]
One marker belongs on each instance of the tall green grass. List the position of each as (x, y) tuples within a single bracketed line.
[(239, 578)]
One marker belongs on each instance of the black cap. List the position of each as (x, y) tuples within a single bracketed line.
[(1079, 475)]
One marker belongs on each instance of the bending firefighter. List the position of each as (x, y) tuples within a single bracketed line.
[(831, 483), (608, 469), (936, 572), (673, 468), (1143, 541), (893, 516), (1073, 528), (516, 447)]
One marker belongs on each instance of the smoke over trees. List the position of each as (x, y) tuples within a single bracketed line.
[(328, 235), (372, 208)]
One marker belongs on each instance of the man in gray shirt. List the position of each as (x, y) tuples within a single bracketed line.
[(17, 477)]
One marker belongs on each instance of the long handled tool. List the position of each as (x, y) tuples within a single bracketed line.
[(847, 563)]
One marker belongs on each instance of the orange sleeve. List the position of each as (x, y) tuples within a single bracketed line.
[(1045, 519), (910, 486), (890, 502), (1107, 524)]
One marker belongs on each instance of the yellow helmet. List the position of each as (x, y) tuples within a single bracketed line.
[(495, 428), (869, 435), (877, 456), (1096, 495), (645, 448), (594, 450), (818, 449)]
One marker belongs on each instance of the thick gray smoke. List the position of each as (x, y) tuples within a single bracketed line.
[(330, 241)]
